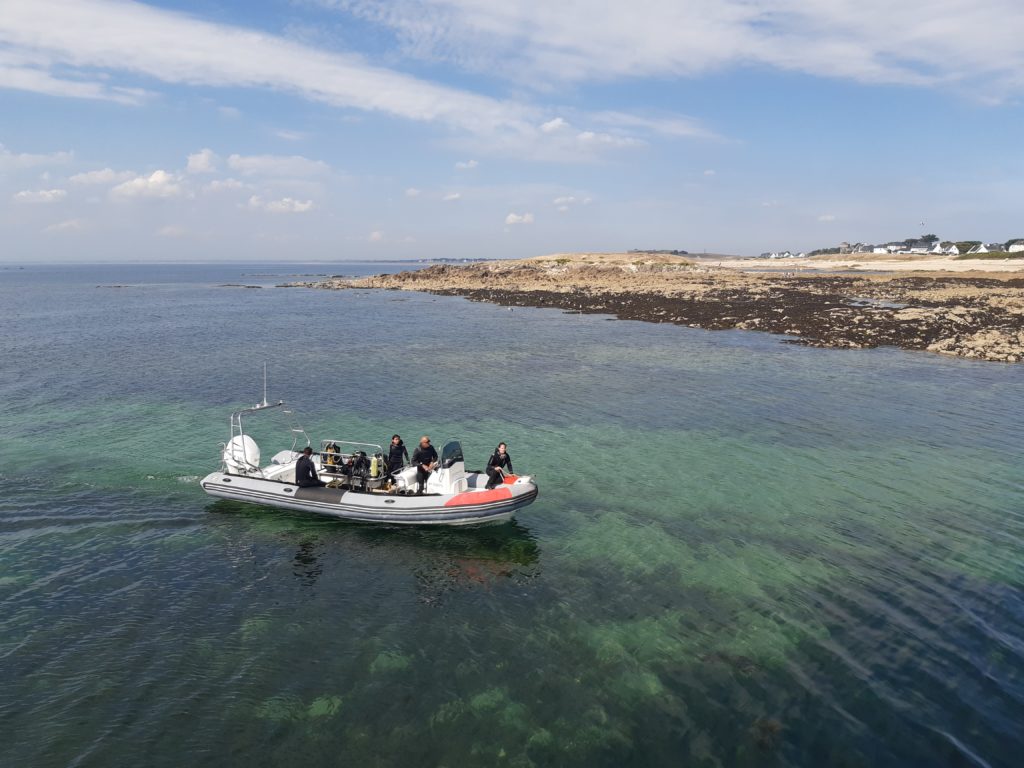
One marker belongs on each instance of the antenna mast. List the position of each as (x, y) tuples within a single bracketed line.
[(264, 403)]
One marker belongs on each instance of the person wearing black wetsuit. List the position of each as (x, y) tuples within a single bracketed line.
[(424, 457), (398, 455), (305, 472), (499, 461)]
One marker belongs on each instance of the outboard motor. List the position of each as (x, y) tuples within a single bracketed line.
[(241, 456)]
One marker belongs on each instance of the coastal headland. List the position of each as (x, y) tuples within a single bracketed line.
[(971, 309)]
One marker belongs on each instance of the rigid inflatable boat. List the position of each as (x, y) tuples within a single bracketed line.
[(358, 484)]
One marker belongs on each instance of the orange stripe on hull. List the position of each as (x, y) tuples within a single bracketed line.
[(479, 497)]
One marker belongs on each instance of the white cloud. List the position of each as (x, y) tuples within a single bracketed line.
[(827, 217), (591, 139), (554, 125), (709, 172), (11, 161), (170, 231), (102, 176), (466, 165), (223, 185), (40, 195), (519, 218), (69, 225), (159, 184), (673, 126), (203, 161), (20, 70), (284, 205), (129, 37), (564, 202), (375, 236), (412, 192), (290, 135), (283, 166), (452, 196), (914, 42)]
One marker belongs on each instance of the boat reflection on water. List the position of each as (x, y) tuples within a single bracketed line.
[(440, 559)]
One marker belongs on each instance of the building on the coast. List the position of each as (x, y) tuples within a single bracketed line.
[(979, 248), (952, 250), (938, 249), (1016, 247)]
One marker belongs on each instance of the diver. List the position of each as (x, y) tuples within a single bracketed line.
[(499, 460), (305, 472), (425, 459), (397, 455)]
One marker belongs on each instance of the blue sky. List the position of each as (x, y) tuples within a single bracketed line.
[(349, 129)]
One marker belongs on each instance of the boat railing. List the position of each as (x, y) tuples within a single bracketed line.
[(334, 454), (237, 429)]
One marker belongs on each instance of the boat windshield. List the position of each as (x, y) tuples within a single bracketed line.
[(451, 453)]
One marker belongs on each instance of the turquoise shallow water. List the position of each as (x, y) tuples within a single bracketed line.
[(744, 553)]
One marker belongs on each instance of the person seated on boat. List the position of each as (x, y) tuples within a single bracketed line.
[(499, 461), (397, 455), (305, 472), (425, 459)]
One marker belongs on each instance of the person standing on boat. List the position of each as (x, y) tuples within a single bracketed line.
[(499, 461), (305, 472), (425, 459), (398, 455)]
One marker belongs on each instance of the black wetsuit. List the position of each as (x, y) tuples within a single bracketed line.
[(496, 463), (397, 457), (420, 457), (305, 473)]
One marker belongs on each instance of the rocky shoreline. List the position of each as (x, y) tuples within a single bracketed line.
[(967, 315)]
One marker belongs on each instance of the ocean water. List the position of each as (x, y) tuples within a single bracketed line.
[(745, 552)]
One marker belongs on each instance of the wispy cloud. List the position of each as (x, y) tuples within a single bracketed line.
[(10, 161), (99, 43), (915, 42), (102, 176), (224, 185), (131, 37), (42, 196), (68, 225), (284, 205), (277, 165)]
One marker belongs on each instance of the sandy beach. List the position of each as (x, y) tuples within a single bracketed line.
[(876, 262), (972, 309)]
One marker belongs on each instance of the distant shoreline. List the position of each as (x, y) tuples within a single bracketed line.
[(975, 313)]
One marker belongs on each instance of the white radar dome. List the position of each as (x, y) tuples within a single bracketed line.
[(241, 454)]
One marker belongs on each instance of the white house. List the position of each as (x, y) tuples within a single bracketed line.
[(1017, 247), (952, 251), (980, 248), (938, 249), (879, 249)]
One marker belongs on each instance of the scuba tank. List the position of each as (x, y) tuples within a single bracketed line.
[(375, 466)]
